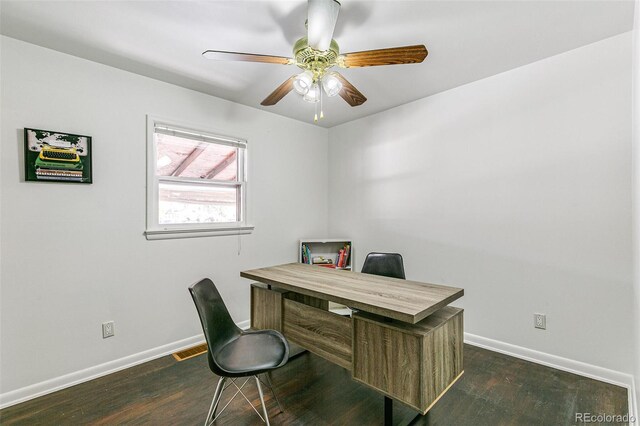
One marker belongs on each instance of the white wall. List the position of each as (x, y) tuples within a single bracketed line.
[(517, 188), (636, 192), (74, 256)]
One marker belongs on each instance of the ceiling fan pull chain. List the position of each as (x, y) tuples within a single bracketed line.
[(321, 109), (315, 117)]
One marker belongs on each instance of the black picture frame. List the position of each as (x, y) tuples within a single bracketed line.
[(52, 156)]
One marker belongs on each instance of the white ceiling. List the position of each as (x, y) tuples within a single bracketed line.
[(467, 41)]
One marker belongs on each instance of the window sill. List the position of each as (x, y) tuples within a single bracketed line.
[(169, 234)]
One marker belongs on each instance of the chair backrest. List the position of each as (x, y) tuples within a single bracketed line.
[(218, 327), (385, 264)]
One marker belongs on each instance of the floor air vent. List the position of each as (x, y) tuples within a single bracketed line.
[(191, 352)]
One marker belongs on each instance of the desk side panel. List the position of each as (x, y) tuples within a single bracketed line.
[(388, 360), (266, 308), (443, 359), (412, 363)]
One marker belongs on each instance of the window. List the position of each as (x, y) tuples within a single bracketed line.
[(196, 182)]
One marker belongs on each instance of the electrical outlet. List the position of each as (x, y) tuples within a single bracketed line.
[(108, 329), (540, 321)]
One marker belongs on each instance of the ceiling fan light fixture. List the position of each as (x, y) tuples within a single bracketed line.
[(303, 82), (313, 95), (331, 84)]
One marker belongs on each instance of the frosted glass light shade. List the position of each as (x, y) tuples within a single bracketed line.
[(303, 82), (331, 84), (313, 95)]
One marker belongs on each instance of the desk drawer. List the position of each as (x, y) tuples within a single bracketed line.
[(321, 332)]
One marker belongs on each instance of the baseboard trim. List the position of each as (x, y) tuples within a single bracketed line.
[(58, 383), (559, 363), (244, 324), (26, 393), (633, 405)]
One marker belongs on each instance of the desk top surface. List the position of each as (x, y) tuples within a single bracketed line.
[(403, 300)]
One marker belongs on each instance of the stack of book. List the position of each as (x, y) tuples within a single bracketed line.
[(306, 254), (343, 256), (323, 261)]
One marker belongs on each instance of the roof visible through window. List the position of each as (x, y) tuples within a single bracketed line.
[(186, 158)]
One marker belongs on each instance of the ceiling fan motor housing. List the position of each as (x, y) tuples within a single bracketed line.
[(316, 61)]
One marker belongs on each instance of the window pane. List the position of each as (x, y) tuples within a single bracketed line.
[(184, 203), (196, 160)]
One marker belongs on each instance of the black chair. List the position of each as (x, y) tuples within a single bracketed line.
[(385, 264), (234, 353)]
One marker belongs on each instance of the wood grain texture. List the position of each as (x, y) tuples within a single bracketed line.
[(443, 355), (280, 92), (323, 333), (349, 93), (412, 363), (388, 361), (403, 300), (266, 308), (308, 300), (392, 56), (221, 55)]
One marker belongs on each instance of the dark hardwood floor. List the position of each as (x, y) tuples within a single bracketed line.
[(495, 390)]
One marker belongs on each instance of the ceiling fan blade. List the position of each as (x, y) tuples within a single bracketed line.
[(321, 21), (349, 93), (392, 56), (219, 55), (280, 92)]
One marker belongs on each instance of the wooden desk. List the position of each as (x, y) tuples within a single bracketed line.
[(404, 341)]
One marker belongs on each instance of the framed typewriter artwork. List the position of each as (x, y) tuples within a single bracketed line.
[(57, 157)]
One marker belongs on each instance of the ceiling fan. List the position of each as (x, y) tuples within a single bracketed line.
[(317, 54)]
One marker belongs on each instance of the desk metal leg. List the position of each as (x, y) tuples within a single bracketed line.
[(388, 415), (388, 411)]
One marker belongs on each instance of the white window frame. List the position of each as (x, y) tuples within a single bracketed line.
[(157, 231)]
